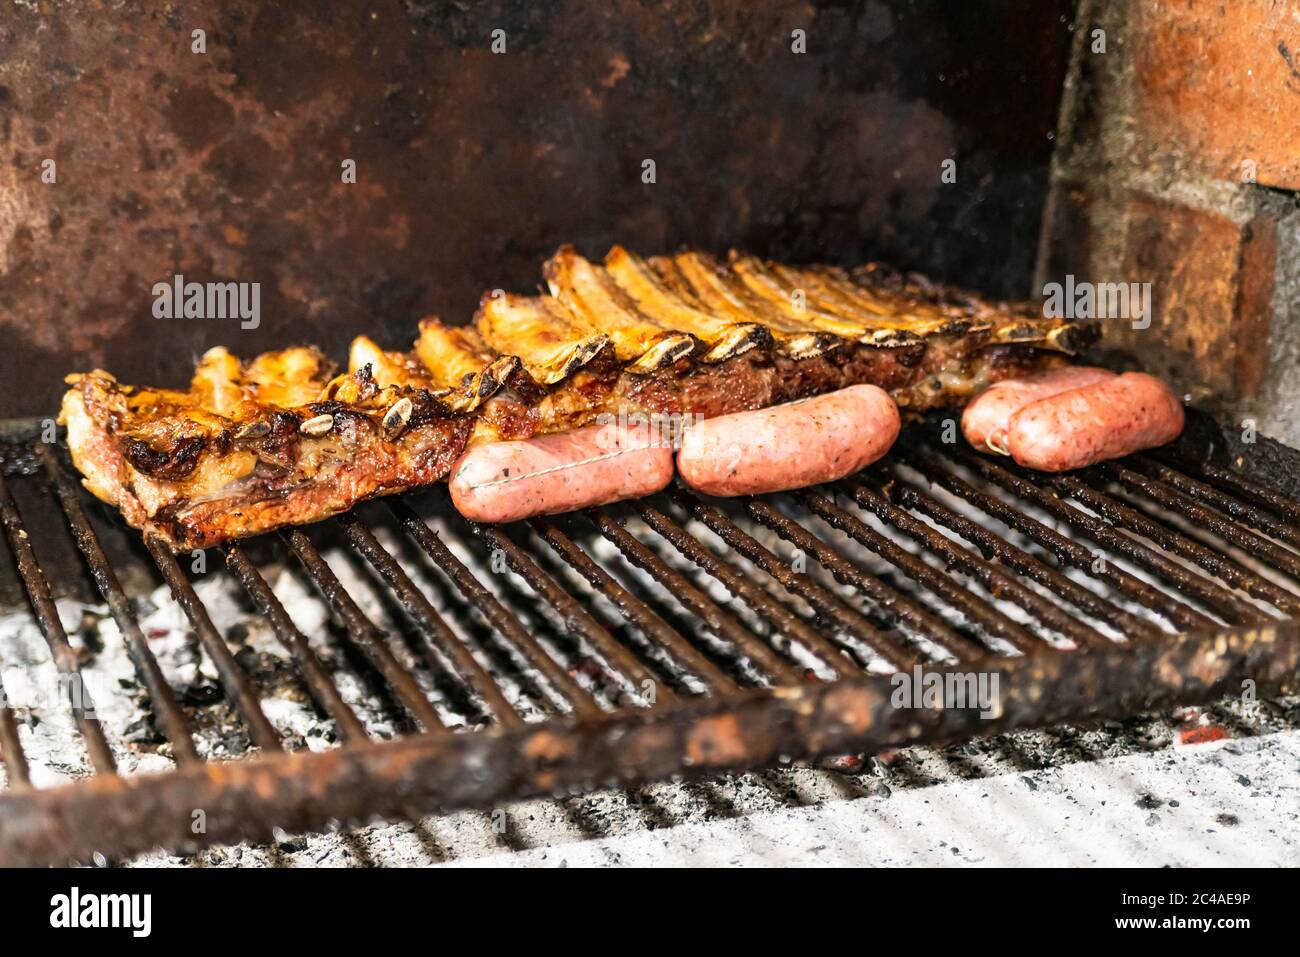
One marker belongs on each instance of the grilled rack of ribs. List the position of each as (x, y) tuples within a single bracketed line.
[(691, 334), (282, 440), (256, 446)]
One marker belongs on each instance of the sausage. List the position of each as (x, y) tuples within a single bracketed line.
[(984, 423), (508, 481), (789, 446), (1105, 420)]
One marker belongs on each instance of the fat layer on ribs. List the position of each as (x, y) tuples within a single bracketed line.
[(282, 440)]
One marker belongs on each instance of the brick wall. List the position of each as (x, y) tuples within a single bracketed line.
[(1178, 165)]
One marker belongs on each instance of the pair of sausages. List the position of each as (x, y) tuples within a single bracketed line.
[(745, 453), (1073, 417)]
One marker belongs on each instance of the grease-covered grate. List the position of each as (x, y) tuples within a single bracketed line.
[(683, 635)]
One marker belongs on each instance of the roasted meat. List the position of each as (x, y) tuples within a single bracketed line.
[(282, 440), (689, 334), (254, 447)]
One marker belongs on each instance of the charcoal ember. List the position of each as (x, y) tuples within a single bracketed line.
[(144, 733), (89, 633), (844, 763), (200, 694)]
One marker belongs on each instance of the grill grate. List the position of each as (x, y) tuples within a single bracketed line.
[(748, 633)]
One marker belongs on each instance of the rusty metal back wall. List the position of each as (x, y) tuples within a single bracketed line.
[(472, 166)]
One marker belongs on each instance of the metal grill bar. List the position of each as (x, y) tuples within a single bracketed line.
[(11, 748), (232, 678), (890, 602), (1236, 484), (616, 659), (413, 776), (429, 621), (362, 630), (658, 631), (174, 725), (1218, 565), (1215, 596), (823, 601), (1207, 518), (975, 611), (777, 615), (1065, 550), (999, 584), (47, 616), (1021, 561), (1240, 511), (723, 625), (318, 681)]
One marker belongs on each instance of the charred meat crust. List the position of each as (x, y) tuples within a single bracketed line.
[(274, 435), (423, 456), (936, 373), (939, 372), (175, 463), (195, 478)]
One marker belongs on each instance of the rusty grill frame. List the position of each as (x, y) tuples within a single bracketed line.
[(1216, 639)]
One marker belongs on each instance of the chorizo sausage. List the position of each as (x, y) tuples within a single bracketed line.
[(789, 446), (984, 422), (1106, 420), (508, 481)]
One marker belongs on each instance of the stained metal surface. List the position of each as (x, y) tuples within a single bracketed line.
[(473, 165), (932, 558)]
